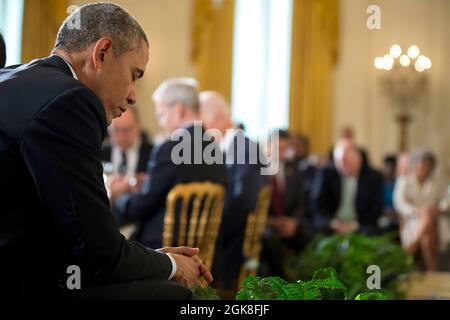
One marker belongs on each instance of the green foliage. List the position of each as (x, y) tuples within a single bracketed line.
[(323, 285), (255, 288), (207, 293), (371, 296), (350, 255)]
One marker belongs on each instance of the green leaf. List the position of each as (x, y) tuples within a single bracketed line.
[(275, 288), (208, 293), (371, 296)]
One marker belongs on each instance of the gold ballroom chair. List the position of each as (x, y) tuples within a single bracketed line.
[(194, 212), (256, 222)]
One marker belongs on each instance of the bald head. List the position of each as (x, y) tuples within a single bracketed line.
[(215, 111), (347, 158)]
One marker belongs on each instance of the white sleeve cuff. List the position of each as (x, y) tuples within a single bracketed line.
[(172, 261), (174, 266)]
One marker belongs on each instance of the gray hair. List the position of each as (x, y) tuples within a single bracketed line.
[(96, 21), (213, 103), (425, 155), (178, 90)]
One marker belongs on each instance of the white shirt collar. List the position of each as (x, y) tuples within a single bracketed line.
[(70, 67), (132, 154)]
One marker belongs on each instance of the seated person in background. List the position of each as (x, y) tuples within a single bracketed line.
[(2, 52), (127, 155), (347, 196), (298, 149), (129, 150), (304, 166), (419, 200), (348, 134), (287, 231), (177, 107), (403, 165), (244, 184), (389, 221)]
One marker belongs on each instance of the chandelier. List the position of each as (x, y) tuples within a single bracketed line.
[(404, 81)]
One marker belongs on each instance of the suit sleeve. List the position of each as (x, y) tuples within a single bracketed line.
[(62, 151), (152, 197), (377, 203), (246, 188), (320, 197)]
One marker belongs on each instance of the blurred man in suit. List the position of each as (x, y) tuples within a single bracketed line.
[(287, 229), (244, 184), (55, 214), (2, 52), (126, 157), (298, 149), (347, 196), (301, 170), (128, 152), (177, 107)]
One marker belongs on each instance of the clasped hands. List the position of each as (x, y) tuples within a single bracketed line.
[(190, 268), (342, 227), (286, 227)]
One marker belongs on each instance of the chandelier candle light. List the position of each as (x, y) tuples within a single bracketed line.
[(412, 57), (404, 81)]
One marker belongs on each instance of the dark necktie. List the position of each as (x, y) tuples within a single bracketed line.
[(277, 197), (123, 165)]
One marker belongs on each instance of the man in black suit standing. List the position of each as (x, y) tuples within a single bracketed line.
[(177, 107), (245, 180), (55, 215)]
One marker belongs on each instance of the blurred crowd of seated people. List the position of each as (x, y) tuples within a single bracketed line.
[(311, 195), (347, 194)]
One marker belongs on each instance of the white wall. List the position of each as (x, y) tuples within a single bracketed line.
[(358, 99), (168, 26)]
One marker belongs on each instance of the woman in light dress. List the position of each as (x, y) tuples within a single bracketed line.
[(422, 204)]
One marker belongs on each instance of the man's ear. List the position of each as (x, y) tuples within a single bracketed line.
[(102, 50), (181, 110)]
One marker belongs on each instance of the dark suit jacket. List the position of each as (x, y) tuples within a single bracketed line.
[(244, 184), (292, 192), (144, 155), (326, 198), (298, 177), (54, 210), (147, 208)]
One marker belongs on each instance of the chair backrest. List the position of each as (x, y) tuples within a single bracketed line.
[(194, 212), (256, 222)]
